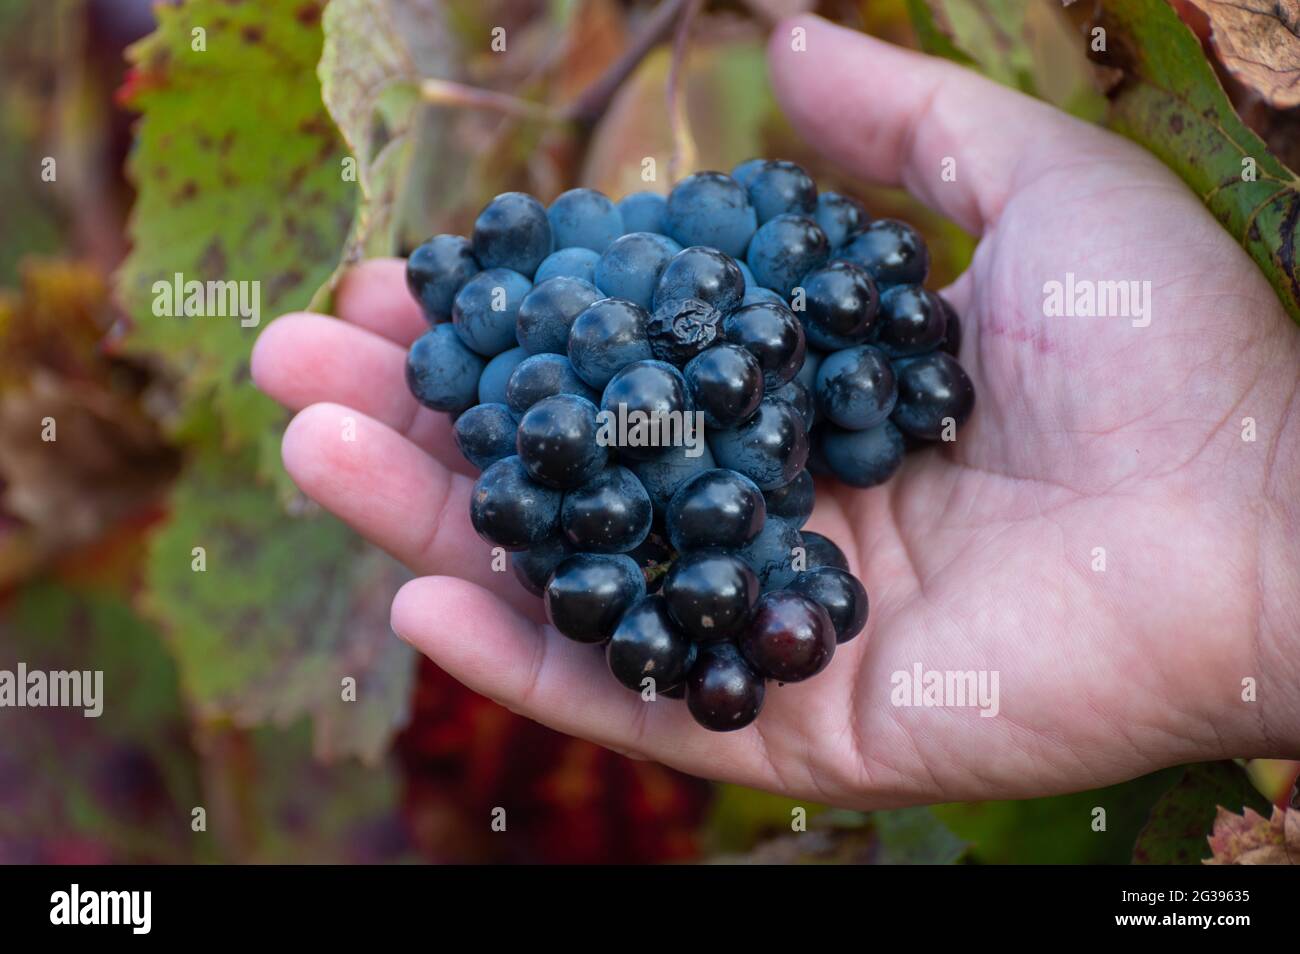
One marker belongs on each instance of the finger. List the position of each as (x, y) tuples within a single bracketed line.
[(894, 116), (373, 295), (535, 671), (302, 359), (393, 494)]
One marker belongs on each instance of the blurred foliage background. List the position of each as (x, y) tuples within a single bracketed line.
[(215, 138)]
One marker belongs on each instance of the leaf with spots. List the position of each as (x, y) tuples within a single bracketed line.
[(238, 171), (1180, 821), (1168, 99), (276, 611), (1259, 42)]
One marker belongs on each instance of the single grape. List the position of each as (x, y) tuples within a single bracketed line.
[(892, 251), (912, 321), (541, 375), (789, 638), (821, 550), (665, 474), (513, 232), (496, 376), (485, 434), (812, 361), (711, 209), (952, 332), (631, 266), (606, 338), (793, 502), (744, 172), (717, 508), (588, 594), (723, 692), (680, 328), (611, 513), (840, 217), (584, 218), (557, 441), (840, 594), (704, 274), (841, 304), (548, 310), (773, 334), (644, 212), (777, 187), (441, 372), (771, 553), (642, 390), (786, 249), (932, 390), (647, 645), (726, 383), (770, 448), (573, 262), (510, 510), (435, 272), (534, 566), (856, 388), (710, 593), (485, 309), (801, 399), (862, 458)]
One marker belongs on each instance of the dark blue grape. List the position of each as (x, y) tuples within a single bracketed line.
[(441, 372), (801, 399), (790, 637), (611, 513), (932, 389), (717, 508), (647, 644), (680, 328), (771, 553), (630, 268), (777, 187), (755, 294), (436, 270), (726, 383), (712, 209), (485, 310), (485, 434), (862, 458), (786, 249), (710, 593), (770, 448), (606, 338), (645, 391), (548, 310), (541, 375), (496, 376), (589, 593), (534, 566), (773, 334), (644, 212), (663, 476), (841, 304), (840, 217), (793, 502), (840, 594), (512, 232), (557, 441), (744, 172), (704, 274), (573, 262), (820, 550), (723, 693), (912, 321), (856, 388), (510, 510), (892, 251), (952, 332), (584, 218)]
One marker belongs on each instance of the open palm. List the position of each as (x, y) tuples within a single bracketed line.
[(1100, 535)]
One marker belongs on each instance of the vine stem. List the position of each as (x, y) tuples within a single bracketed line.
[(684, 152), (440, 92)]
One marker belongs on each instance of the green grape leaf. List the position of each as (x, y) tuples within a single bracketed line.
[(1168, 99), (269, 613), (1027, 44), (1180, 822), (238, 171), (117, 787)]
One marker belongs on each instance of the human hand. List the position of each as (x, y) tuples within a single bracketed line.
[(979, 555)]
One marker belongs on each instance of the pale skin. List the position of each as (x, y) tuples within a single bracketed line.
[(1087, 434)]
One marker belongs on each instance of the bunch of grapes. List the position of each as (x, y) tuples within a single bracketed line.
[(646, 387)]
